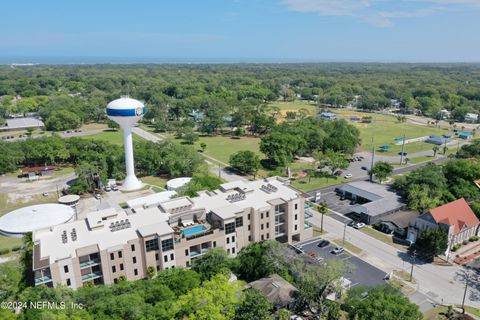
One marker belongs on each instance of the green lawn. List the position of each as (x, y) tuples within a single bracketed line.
[(294, 106), (221, 147), (317, 183), (9, 243), (115, 137), (382, 237), (384, 128), (157, 182)]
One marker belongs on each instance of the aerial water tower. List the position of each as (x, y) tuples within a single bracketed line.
[(126, 112)]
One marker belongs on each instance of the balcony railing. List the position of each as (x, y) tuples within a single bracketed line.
[(278, 213), (307, 226), (199, 235), (91, 276), (42, 280), (89, 263)]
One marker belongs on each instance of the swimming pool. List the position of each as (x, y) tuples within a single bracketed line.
[(193, 230)]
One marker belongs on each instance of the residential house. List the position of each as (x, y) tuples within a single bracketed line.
[(277, 290)]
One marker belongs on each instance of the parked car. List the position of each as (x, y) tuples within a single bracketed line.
[(348, 176), (337, 250), (323, 243), (359, 225), (364, 168), (338, 173), (98, 196), (351, 223), (312, 254), (107, 188), (114, 188)]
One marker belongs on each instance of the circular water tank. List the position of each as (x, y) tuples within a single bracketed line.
[(125, 111), (69, 200), (177, 183), (18, 222)]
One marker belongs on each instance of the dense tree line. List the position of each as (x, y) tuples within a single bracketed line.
[(303, 137), (431, 186), (67, 95), (100, 158)]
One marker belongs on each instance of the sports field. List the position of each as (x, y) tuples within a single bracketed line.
[(384, 128)]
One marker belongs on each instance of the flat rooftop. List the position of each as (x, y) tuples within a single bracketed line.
[(111, 228), (381, 199)]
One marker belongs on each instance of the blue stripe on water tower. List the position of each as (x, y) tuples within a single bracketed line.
[(126, 112)]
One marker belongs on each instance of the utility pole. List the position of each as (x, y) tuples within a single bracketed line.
[(413, 262), (344, 233), (465, 292), (403, 147), (373, 161), (219, 171)]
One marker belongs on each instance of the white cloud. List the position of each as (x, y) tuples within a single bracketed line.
[(373, 11)]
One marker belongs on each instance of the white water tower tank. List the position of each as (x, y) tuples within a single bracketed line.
[(127, 112)]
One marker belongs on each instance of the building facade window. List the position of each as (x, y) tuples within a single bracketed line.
[(134, 259), (233, 250), (119, 254), (248, 227), (68, 282), (296, 206), (261, 215), (296, 217), (228, 240), (268, 225), (167, 244), (214, 244), (248, 216), (151, 245), (261, 226), (172, 256), (165, 258), (121, 266), (156, 256), (262, 237), (112, 256), (296, 227), (186, 252), (268, 235), (233, 238), (133, 247), (267, 213), (230, 228), (238, 222), (65, 268), (114, 269), (249, 238), (135, 272)]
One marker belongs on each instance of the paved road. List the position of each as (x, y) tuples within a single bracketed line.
[(438, 283), (364, 176), (213, 163)]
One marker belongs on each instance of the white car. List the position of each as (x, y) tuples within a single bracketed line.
[(337, 250), (359, 225), (348, 176)]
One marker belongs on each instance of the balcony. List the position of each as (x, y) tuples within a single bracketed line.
[(89, 263), (280, 212), (91, 276), (42, 280), (199, 235), (307, 226)]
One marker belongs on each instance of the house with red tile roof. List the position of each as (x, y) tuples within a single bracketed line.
[(456, 216)]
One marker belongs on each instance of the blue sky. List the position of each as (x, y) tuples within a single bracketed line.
[(299, 30)]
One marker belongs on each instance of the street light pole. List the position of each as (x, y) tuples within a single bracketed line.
[(344, 233), (321, 226), (465, 292)]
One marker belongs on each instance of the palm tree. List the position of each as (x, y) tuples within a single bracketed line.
[(322, 208), (435, 150), (406, 160)]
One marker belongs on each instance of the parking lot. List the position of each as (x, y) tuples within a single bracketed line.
[(362, 273), (334, 203)]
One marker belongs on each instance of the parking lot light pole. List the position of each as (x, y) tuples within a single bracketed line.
[(344, 233)]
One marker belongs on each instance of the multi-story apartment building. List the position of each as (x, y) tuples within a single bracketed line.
[(109, 244)]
